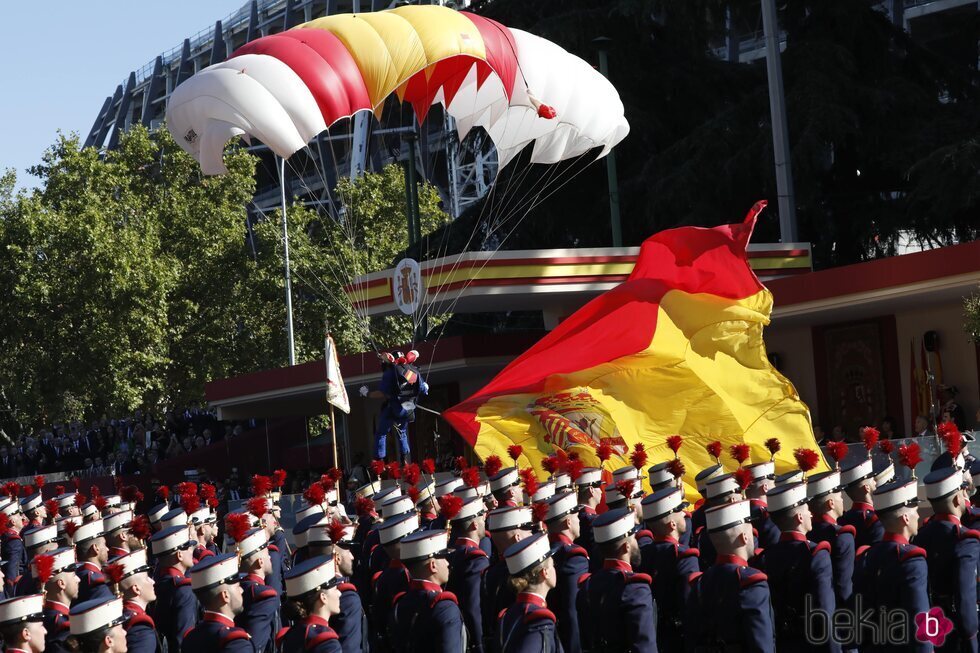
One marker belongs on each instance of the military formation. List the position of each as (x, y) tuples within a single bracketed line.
[(493, 560)]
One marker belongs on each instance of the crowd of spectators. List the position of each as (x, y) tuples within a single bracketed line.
[(120, 446)]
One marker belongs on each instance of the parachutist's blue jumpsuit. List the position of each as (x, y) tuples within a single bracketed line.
[(399, 383)]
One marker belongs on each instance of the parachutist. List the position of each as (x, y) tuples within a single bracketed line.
[(401, 385)]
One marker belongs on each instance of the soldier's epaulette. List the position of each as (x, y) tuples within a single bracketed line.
[(397, 597), (751, 579), (693, 578), (500, 615), (273, 547), (969, 533), (476, 552), (818, 547), (375, 576), (689, 552), (443, 596), (639, 578), (847, 528), (188, 631), (12, 534), (320, 638), (61, 622), (347, 587), (870, 518), (912, 552), (576, 550), (584, 578), (538, 615), (281, 635), (261, 595), (140, 620), (180, 581), (97, 577), (644, 533), (861, 550), (233, 633)]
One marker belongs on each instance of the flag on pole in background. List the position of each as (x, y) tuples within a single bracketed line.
[(336, 392), (675, 349)]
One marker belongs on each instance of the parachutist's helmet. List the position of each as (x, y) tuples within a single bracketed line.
[(411, 356), (399, 358), (386, 359)]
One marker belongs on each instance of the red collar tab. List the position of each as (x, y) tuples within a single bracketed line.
[(559, 537), (135, 607), (425, 585), (758, 502), (725, 559), (533, 599), (588, 510), (792, 536), (945, 516), (827, 519), (60, 608), (892, 537), (860, 505), (465, 541), (618, 565), (256, 578), (218, 617), (314, 620)]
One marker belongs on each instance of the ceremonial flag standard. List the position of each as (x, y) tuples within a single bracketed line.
[(675, 349), (336, 392)]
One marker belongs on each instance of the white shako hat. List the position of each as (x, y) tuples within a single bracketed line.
[(220, 569), (943, 482), (628, 473), (447, 486), (38, 535), (472, 507), (974, 471), (65, 500), (309, 575), (426, 492), (562, 481), (89, 509), (706, 474), (504, 479), (254, 541), (64, 561), (112, 500), (884, 473), (614, 495), (133, 563), (659, 474), (721, 486), (561, 505), (329, 496), (662, 503), (894, 495), (762, 470), (21, 609), (591, 476), (156, 512), (171, 539), (385, 494), (31, 502), (425, 544), (856, 472), (508, 519), (94, 615), (820, 485), (369, 489), (62, 522), (467, 492), (88, 531), (301, 531), (792, 476), (397, 506), (393, 529), (727, 515), (176, 517), (522, 556), (613, 525), (9, 506), (199, 516), (315, 509), (117, 521), (786, 497), (544, 492), (319, 535)]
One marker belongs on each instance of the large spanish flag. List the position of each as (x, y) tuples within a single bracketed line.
[(675, 349)]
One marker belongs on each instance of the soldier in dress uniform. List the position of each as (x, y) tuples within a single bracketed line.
[(859, 481), (467, 566), (176, 608), (506, 526), (953, 554), (216, 583), (701, 482), (138, 590), (661, 478), (117, 532), (718, 491), (389, 582), (528, 626), (426, 618), (826, 503), (260, 614), (351, 623), (59, 584), (799, 571), (571, 562), (155, 514), (67, 506), (425, 505), (278, 548), (12, 550), (504, 486), (305, 520), (96, 626), (668, 561), (22, 624), (729, 607), (371, 541), (391, 509), (891, 575), (443, 488), (37, 540), (763, 480), (92, 553), (197, 522), (34, 510), (627, 475), (589, 485), (312, 588), (615, 604)]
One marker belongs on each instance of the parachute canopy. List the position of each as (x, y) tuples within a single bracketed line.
[(286, 88)]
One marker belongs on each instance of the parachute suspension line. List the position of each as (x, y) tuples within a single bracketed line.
[(285, 251)]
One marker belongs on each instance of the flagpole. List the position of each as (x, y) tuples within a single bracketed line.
[(333, 437)]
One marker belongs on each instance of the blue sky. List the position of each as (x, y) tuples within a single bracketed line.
[(62, 58)]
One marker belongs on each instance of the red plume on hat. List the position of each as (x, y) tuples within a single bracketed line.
[(773, 445), (492, 465), (115, 572), (279, 478), (363, 506), (140, 527), (394, 469), (743, 477), (603, 452), (26, 490), (575, 468), (740, 452), (530, 480), (44, 564), (471, 477), (378, 468), (186, 487), (837, 451), (515, 451), (806, 459), (190, 503), (910, 455), (952, 439), (100, 503), (80, 499), (77, 482), (674, 443), (625, 488), (335, 473), (130, 494), (258, 506), (870, 436), (639, 456), (429, 466), (237, 525), (11, 489), (336, 530), (414, 493), (676, 468), (164, 493), (51, 505), (714, 450), (39, 481), (550, 464), (539, 511), (449, 506), (94, 491), (412, 474), (261, 485), (460, 462), (70, 528), (208, 491), (886, 446)]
